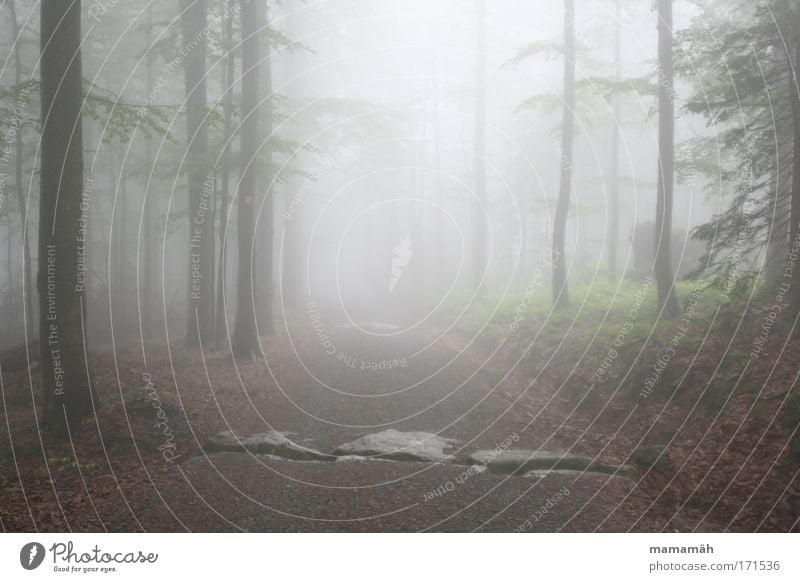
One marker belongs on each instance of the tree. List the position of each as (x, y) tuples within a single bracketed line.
[(229, 66), (479, 212), (265, 226), (560, 290), (66, 379), (245, 342), (614, 209), (148, 266), (750, 154), (292, 256), (793, 61), (662, 264), (200, 292), (19, 147)]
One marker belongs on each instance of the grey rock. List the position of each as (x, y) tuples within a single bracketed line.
[(521, 461), (269, 443), (393, 445)]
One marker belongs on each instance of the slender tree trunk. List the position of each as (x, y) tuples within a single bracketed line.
[(560, 290), (65, 374), (148, 268), (480, 212), (200, 292), (614, 210), (244, 343), (665, 280), (266, 222), (794, 228), (229, 65), (439, 185), (122, 247), (780, 207), (19, 146), (291, 256), (12, 311)]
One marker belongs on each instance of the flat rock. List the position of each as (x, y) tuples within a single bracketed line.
[(521, 461), (393, 445), (268, 443)]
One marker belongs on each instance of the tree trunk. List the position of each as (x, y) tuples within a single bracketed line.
[(148, 267), (229, 65), (244, 343), (438, 185), (11, 310), (19, 145), (200, 292), (794, 227), (560, 290), (266, 222), (613, 219), (292, 254), (66, 379), (480, 212), (780, 208), (662, 267)]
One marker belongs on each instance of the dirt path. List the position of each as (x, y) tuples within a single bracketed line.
[(331, 390)]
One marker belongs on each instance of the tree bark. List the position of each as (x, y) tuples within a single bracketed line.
[(292, 255), (479, 212), (662, 267), (560, 290), (229, 65), (613, 219), (794, 227), (438, 185), (148, 266), (244, 343), (200, 292), (265, 227), (66, 379), (19, 146)]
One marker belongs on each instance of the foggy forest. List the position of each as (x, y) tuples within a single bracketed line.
[(399, 266)]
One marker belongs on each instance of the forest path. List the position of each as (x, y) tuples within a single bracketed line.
[(350, 382)]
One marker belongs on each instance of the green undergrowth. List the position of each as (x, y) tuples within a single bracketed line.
[(611, 333)]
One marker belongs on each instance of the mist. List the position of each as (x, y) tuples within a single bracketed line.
[(399, 265)]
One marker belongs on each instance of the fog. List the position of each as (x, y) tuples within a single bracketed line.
[(250, 246)]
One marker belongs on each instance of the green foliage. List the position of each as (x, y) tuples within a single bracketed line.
[(734, 59), (119, 120)]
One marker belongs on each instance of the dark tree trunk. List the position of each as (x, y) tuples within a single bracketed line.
[(780, 207), (11, 310), (66, 380), (292, 253), (480, 212), (19, 146), (199, 322), (147, 297), (245, 342), (794, 227), (229, 65), (613, 211), (439, 186), (266, 222), (662, 268), (560, 290)]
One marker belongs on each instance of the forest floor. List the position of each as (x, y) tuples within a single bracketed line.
[(726, 467)]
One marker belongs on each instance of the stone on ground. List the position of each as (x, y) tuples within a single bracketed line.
[(269, 443), (399, 446), (519, 461)]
